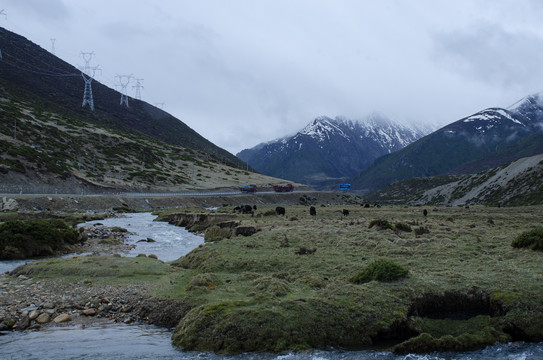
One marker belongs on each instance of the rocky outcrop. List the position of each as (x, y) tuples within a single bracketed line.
[(9, 204), (188, 220)]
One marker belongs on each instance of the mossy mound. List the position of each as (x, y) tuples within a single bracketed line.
[(21, 239), (380, 270), (381, 224), (531, 239), (301, 324), (206, 281), (216, 233)]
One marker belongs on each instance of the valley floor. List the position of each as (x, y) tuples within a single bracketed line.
[(290, 286)]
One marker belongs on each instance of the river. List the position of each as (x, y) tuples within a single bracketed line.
[(123, 342)]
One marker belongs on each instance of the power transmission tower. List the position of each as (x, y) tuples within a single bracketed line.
[(159, 105), (2, 12), (138, 86), (88, 72), (53, 45), (124, 80)]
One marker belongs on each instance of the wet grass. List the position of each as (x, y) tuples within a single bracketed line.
[(263, 293), (98, 269)]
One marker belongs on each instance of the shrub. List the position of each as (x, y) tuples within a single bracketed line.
[(118, 229), (380, 270), (215, 233), (122, 209), (206, 281), (532, 239), (421, 230), (381, 224), (402, 227), (20, 239)]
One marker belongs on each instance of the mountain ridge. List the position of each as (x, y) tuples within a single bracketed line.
[(486, 139), (328, 150)]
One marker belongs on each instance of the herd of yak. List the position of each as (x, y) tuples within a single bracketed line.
[(279, 210)]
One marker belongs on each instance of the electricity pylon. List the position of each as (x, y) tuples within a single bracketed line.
[(138, 86), (88, 72), (53, 46), (124, 80)]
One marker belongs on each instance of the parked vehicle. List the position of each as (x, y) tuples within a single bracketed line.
[(248, 188), (283, 188)]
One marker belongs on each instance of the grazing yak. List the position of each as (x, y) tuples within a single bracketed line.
[(345, 212), (243, 209), (312, 211), (280, 210)]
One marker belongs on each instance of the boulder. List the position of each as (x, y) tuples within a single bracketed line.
[(33, 314), (62, 318), (22, 324), (43, 318), (48, 305), (246, 230), (89, 312)]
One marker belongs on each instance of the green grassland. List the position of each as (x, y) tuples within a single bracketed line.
[(290, 285)]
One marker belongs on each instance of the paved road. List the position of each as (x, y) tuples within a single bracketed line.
[(128, 194)]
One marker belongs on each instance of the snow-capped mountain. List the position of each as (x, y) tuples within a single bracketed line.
[(330, 149), (486, 139)]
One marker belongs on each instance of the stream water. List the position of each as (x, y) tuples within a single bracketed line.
[(119, 341)]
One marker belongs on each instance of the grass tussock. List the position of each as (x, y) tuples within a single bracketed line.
[(216, 233), (380, 270), (531, 239)]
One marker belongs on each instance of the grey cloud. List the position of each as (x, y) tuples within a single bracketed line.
[(46, 11), (490, 54)]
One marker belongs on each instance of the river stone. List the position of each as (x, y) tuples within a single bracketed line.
[(48, 305), (22, 324), (89, 312), (33, 314), (62, 318), (34, 327), (43, 318)]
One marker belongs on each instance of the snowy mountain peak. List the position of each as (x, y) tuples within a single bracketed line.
[(322, 128), (529, 109), (327, 149), (493, 115)]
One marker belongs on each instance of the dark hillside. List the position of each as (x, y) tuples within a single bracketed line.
[(32, 74), (487, 139)]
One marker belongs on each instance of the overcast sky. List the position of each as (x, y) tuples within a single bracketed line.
[(241, 72)]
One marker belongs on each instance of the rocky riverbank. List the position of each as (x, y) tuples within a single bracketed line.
[(29, 304), (32, 304)]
